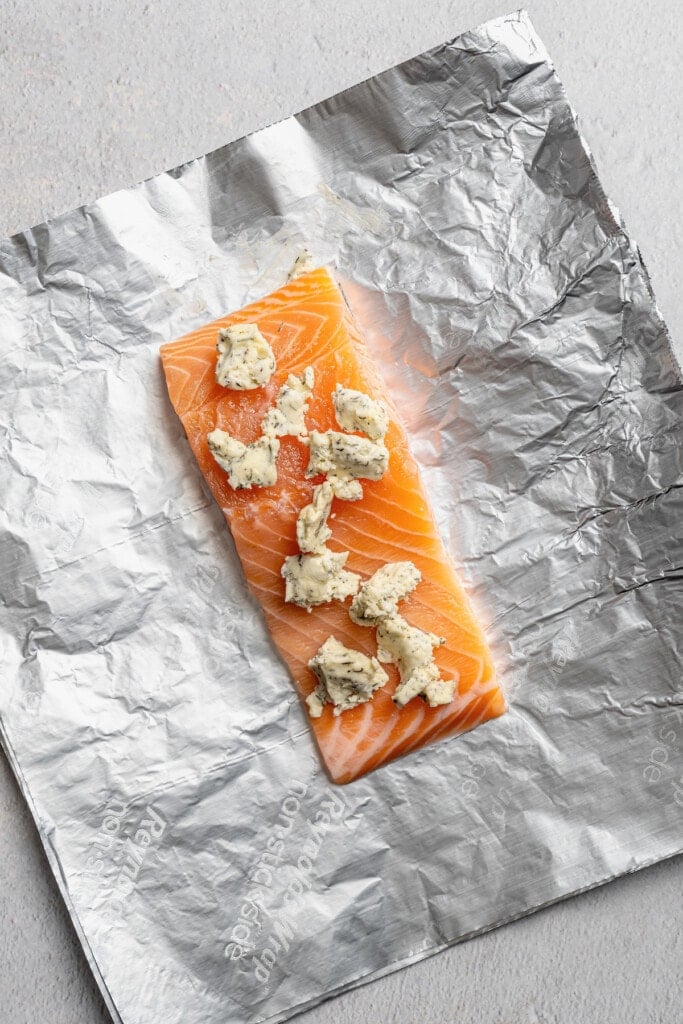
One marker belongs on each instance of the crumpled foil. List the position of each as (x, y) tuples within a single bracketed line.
[(212, 871)]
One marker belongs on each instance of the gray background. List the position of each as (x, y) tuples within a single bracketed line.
[(94, 96)]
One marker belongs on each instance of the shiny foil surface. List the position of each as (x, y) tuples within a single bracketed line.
[(213, 872)]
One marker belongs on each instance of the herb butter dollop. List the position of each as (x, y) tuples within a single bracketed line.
[(355, 410), (245, 359), (318, 578), (247, 465), (411, 649), (346, 678), (312, 531), (379, 596), (346, 455), (287, 417)]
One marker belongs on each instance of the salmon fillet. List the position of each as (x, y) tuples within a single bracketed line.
[(307, 323)]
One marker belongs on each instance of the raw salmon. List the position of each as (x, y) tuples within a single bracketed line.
[(308, 323)]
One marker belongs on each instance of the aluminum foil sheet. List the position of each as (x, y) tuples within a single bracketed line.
[(214, 874)]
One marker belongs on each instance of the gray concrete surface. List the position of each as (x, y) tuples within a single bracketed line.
[(95, 96)]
